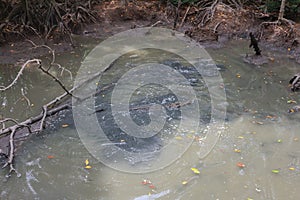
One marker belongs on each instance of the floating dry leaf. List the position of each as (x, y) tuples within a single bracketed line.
[(237, 150), (145, 182), (151, 186), (87, 162), (195, 170), (184, 182), (240, 165)]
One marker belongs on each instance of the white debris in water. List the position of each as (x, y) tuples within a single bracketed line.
[(4, 103), (134, 56), (153, 196), (29, 177), (34, 162)]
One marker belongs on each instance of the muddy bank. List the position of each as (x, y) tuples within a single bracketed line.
[(212, 27)]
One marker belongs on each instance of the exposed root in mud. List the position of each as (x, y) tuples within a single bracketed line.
[(44, 18)]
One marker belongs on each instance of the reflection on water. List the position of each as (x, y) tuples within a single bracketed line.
[(259, 133)]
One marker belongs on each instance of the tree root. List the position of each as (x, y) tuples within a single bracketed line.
[(278, 22)]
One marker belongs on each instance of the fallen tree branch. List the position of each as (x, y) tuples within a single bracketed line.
[(11, 155), (13, 130), (30, 121), (56, 80)]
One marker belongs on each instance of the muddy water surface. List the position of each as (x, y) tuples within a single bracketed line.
[(258, 134)]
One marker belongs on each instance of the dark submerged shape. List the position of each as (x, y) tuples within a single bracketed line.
[(295, 82), (254, 44)]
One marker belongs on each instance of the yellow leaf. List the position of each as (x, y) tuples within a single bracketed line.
[(291, 101), (237, 150), (292, 168), (240, 137), (87, 162), (184, 182), (195, 170), (65, 125), (275, 171), (88, 167)]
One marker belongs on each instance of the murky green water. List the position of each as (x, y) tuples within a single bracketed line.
[(259, 133)]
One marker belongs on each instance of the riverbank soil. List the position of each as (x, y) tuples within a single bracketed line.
[(212, 25)]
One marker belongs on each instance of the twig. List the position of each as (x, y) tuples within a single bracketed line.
[(45, 108), (209, 13), (38, 61), (156, 23), (25, 97), (217, 25), (56, 80), (11, 153), (53, 63), (12, 147), (185, 14), (7, 120), (278, 22), (177, 14), (30, 121)]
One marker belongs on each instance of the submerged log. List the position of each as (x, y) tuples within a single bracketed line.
[(256, 60)]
